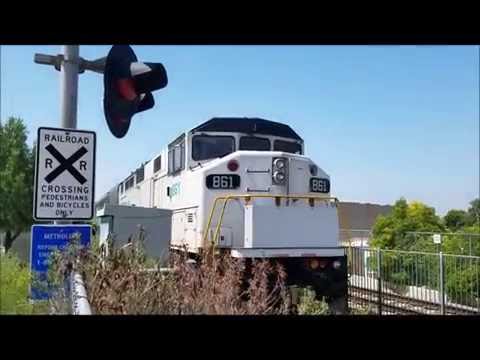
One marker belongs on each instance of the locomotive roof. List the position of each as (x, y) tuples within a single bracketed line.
[(249, 126)]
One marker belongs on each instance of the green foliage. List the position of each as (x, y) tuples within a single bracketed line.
[(363, 310), (462, 283), (402, 269), (14, 286), (461, 243), (391, 231), (474, 213), (16, 180), (455, 219), (308, 305)]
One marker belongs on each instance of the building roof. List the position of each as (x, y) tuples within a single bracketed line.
[(248, 126), (360, 216)]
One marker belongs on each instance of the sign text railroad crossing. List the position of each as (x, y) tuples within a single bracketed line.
[(64, 174)]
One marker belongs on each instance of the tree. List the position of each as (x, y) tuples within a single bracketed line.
[(393, 231), (400, 269), (462, 243), (474, 212), (455, 219), (16, 180)]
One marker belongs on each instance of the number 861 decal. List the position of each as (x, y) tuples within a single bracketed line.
[(319, 185), (223, 181)]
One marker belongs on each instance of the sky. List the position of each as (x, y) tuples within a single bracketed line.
[(383, 121)]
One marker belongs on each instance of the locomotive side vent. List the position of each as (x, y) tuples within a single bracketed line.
[(190, 218)]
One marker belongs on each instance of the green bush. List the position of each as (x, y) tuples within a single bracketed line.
[(363, 310), (462, 285), (308, 305), (14, 286)]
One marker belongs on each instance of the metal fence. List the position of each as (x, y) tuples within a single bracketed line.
[(410, 282), (459, 243)]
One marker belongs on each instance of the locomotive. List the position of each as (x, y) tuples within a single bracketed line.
[(245, 185)]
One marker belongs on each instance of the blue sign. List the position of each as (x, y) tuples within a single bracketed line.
[(46, 239)]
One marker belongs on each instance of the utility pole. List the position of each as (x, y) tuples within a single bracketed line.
[(70, 64), (0, 85), (141, 80), (69, 86)]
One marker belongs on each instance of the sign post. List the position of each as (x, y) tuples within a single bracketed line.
[(65, 169), (69, 86)]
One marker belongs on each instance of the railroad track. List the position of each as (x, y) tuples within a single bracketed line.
[(398, 304)]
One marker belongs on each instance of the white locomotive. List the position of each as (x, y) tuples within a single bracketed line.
[(246, 185)]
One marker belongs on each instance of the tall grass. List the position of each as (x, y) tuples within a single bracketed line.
[(121, 283), (124, 281), (15, 280)]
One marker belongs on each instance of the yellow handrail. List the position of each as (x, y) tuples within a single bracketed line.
[(247, 198)]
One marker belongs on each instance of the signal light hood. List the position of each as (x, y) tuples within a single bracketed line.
[(128, 86)]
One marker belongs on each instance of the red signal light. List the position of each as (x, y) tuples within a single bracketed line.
[(128, 85), (233, 165), (126, 89)]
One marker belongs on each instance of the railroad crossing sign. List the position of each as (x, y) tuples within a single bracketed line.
[(64, 174)]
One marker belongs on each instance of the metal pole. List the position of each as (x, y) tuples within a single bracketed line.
[(379, 281), (68, 91), (470, 245), (441, 285), (70, 65), (0, 85), (79, 297), (69, 86), (68, 110)]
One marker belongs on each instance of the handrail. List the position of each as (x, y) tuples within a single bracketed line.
[(247, 198), (80, 304)]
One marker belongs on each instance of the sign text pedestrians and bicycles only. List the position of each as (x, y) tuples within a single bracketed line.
[(64, 174)]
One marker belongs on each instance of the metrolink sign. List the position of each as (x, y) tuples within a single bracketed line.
[(64, 174)]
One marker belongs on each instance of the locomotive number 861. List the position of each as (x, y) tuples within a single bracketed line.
[(289, 217)]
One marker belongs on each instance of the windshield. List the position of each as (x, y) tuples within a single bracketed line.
[(208, 147), (254, 143), (287, 146)]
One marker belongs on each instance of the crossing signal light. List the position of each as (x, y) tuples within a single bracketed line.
[(128, 86)]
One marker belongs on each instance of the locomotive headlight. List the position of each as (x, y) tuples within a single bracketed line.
[(313, 170), (279, 163), (279, 171), (337, 264), (279, 177), (314, 264)]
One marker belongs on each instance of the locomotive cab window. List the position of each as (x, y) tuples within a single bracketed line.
[(157, 164), (140, 174), (287, 146), (130, 183), (209, 147), (254, 143), (176, 155)]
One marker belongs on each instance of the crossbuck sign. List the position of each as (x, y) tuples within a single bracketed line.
[(64, 174)]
